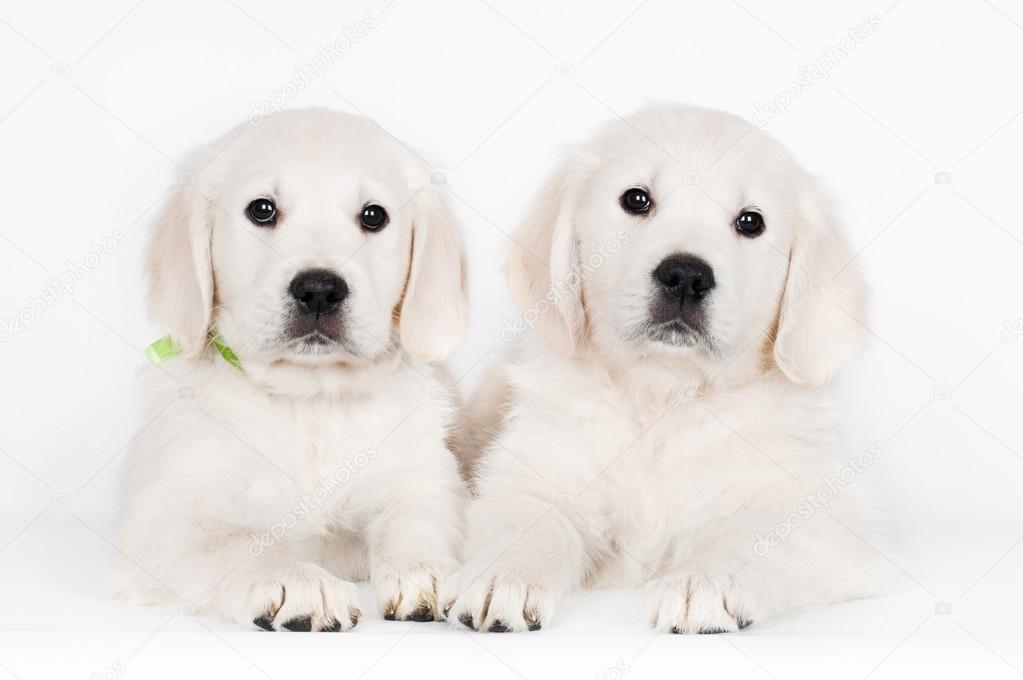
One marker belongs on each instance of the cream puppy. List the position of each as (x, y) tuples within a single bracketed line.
[(305, 448), (694, 296)]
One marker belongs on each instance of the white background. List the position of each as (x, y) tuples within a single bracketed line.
[(918, 128)]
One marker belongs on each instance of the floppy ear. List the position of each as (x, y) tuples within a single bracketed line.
[(180, 270), (435, 309), (823, 308), (542, 265)]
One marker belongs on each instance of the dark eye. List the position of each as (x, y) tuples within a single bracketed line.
[(750, 223), (373, 217), (263, 212), (636, 201)]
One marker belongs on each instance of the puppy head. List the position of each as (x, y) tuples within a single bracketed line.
[(315, 237), (687, 233)]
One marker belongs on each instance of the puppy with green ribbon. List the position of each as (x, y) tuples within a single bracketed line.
[(308, 276)]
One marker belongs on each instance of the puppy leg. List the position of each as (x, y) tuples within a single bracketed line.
[(282, 589), (412, 550), (524, 556), (296, 596), (698, 603), (723, 578), (229, 574)]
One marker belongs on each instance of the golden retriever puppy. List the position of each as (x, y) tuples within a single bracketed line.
[(694, 296), (309, 275)]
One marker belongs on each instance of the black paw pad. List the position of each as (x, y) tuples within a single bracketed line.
[(333, 627), (466, 620), (299, 624), (533, 624), (712, 631), (389, 615), (265, 622), (421, 614), (744, 623), (676, 630), (499, 626)]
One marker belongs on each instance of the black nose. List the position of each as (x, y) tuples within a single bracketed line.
[(318, 291), (684, 277)]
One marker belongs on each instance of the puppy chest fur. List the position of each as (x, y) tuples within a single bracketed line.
[(277, 473)]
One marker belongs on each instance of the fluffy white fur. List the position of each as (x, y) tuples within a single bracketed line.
[(618, 459), (260, 495)]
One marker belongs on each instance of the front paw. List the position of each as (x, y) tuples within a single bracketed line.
[(409, 593), (698, 603), (301, 597), (497, 600)]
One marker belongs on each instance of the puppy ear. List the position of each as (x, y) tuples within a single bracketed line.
[(542, 265), (435, 309), (180, 270), (823, 308)]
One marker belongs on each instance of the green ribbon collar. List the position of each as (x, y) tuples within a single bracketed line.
[(166, 349)]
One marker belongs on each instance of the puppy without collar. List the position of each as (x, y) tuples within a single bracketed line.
[(693, 296), (316, 249)]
